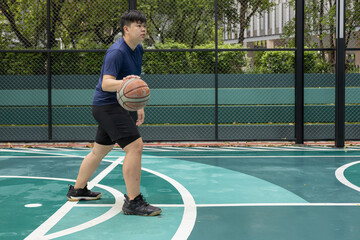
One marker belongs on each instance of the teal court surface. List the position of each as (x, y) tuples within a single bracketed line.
[(250, 193)]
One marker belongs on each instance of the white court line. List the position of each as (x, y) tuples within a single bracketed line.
[(61, 156), (261, 148), (104, 217), (46, 153), (42, 152), (172, 156), (115, 209), (277, 204), (197, 149), (351, 149), (261, 205), (242, 156), (278, 149), (188, 221), (237, 148), (176, 148), (230, 149), (183, 231), (298, 148), (339, 173), (355, 147), (31, 149), (94, 205), (156, 149), (31, 157), (311, 148), (65, 149), (209, 148), (39, 233)]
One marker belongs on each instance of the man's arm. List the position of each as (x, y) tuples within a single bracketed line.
[(110, 84)]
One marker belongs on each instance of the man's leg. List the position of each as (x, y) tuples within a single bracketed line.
[(90, 164), (132, 167), (87, 169), (135, 203)]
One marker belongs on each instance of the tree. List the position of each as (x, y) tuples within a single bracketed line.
[(76, 23), (248, 8), (22, 22), (185, 21), (320, 24)]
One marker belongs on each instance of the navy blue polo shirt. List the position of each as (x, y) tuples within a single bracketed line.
[(119, 61)]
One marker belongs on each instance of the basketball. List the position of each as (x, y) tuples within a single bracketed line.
[(133, 94)]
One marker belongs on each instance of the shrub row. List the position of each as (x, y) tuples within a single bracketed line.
[(201, 60)]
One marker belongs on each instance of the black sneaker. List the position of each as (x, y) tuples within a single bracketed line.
[(82, 194), (139, 206)]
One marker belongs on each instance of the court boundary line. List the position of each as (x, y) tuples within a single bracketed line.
[(260, 204), (40, 232), (184, 230), (264, 205), (242, 156)]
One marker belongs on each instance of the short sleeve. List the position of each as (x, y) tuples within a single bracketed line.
[(112, 63)]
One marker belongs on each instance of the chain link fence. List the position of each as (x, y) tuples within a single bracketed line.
[(217, 70)]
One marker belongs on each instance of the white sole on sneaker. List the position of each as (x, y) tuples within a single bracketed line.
[(84, 198)]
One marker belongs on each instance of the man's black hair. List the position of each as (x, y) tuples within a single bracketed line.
[(131, 16)]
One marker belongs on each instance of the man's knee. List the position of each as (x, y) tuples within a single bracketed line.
[(135, 146), (131, 140), (100, 151)]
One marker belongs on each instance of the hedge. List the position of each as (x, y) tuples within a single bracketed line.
[(199, 62)]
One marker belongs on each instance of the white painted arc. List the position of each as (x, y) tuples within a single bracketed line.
[(39, 233), (113, 211), (339, 173), (183, 231), (188, 221)]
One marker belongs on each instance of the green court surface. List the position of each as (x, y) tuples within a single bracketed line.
[(250, 193)]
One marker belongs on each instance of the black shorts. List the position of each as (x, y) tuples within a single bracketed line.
[(115, 125)]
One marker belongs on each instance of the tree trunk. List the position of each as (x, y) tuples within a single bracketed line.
[(321, 27), (243, 24), (10, 16), (245, 20), (56, 8), (332, 39)]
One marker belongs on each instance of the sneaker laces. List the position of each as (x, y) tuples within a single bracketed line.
[(143, 200)]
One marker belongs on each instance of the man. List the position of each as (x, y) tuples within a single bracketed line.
[(122, 60)]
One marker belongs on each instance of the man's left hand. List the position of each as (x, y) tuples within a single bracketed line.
[(141, 117)]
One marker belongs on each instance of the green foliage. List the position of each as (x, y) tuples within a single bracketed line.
[(314, 62), (232, 61), (284, 62), (166, 62), (202, 62), (86, 63), (22, 63), (177, 62), (352, 68), (62, 63), (187, 22), (277, 62)]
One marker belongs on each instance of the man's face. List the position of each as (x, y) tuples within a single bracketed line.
[(136, 31)]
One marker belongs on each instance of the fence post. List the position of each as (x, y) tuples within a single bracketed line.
[(216, 75), (299, 72), (48, 69), (132, 4), (340, 75)]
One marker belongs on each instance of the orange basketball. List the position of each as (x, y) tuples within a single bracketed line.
[(133, 94)]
